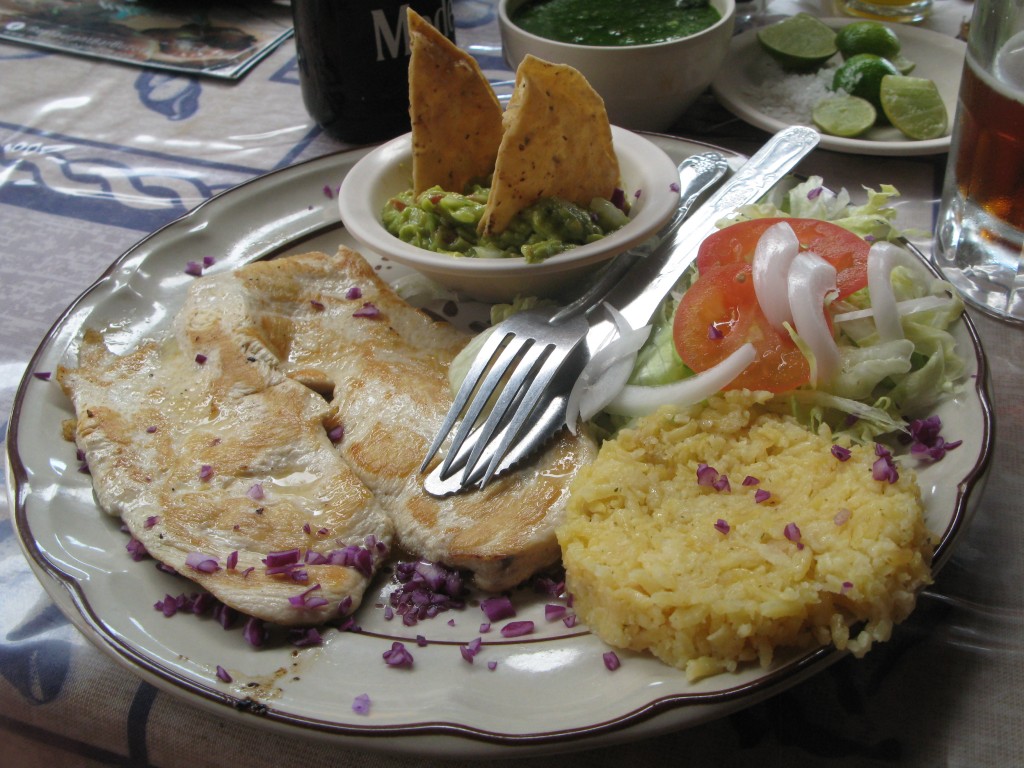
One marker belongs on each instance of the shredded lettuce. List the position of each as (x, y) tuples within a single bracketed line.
[(811, 199)]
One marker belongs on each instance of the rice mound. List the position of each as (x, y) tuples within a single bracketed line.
[(706, 579)]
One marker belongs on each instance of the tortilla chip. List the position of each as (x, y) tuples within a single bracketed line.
[(557, 143), (456, 118)]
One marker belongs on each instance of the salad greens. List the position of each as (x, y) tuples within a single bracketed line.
[(881, 383)]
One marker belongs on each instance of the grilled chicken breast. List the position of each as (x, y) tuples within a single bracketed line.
[(204, 448), (386, 365)]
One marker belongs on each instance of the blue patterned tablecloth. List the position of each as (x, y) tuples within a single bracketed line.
[(94, 156)]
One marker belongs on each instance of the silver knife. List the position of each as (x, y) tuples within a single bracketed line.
[(642, 289)]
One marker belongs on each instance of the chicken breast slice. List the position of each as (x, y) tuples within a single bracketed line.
[(204, 448), (385, 366)]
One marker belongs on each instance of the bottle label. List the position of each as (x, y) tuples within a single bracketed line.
[(391, 35)]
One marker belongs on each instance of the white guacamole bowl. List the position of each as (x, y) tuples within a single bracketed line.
[(387, 171)]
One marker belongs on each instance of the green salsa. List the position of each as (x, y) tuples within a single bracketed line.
[(446, 222), (612, 22)]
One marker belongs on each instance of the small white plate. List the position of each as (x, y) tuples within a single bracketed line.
[(738, 87), (549, 691)]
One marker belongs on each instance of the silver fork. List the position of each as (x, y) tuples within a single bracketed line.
[(523, 354)]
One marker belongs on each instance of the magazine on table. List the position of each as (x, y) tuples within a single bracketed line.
[(216, 39)]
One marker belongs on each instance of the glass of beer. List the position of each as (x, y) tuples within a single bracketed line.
[(979, 243), (887, 10)]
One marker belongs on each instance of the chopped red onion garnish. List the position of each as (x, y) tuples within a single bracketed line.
[(303, 600), (884, 468), (814, 193), (369, 309), (722, 484), (151, 521), (492, 665), (282, 557), (611, 660), (200, 359), (706, 476), (841, 453), (451, 622), (927, 443), (485, 628), (232, 560), (354, 292), (721, 526), (570, 620), (398, 656), (750, 480), (421, 641), (205, 472), (546, 585), (209, 261), (255, 491), (842, 516), (328, 192), (498, 608), (222, 674), (361, 704), (306, 529), (337, 434), (42, 375), (847, 586), (203, 563), (471, 649), (554, 612), (193, 268), (426, 590), (151, 429), (305, 637), (517, 629), (715, 333), (761, 495), (317, 305), (254, 632), (225, 615), (792, 532)]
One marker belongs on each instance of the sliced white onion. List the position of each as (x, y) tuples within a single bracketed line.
[(811, 280), (634, 400), (883, 257), (906, 307), (773, 255), (881, 260), (606, 373)]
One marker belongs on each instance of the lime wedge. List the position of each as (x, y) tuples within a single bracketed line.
[(800, 43), (915, 106), (845, 116)]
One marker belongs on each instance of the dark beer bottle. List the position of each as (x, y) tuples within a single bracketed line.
[(353, 60)]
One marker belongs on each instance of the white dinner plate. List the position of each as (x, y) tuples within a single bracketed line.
[(548, 691), (740, 87)]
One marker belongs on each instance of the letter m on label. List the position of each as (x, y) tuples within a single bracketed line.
[(392, 41)]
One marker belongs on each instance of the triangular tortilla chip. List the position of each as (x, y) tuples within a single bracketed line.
[(456, 118), (557, 143)]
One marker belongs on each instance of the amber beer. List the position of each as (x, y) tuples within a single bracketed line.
[(980, 237), (989, 154), (353, 58)]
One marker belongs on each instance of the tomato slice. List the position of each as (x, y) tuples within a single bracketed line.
[(841, 248), (723, 299)]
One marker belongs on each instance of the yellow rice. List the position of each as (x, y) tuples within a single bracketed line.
[(650, 566)]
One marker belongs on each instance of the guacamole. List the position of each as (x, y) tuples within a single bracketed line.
[(446, 222), (612, 22)]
